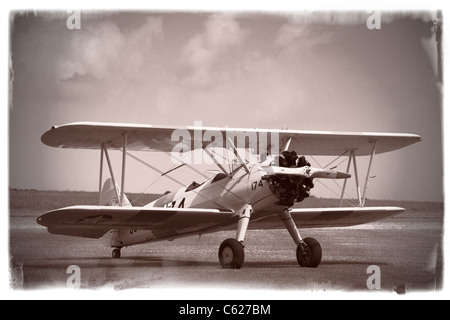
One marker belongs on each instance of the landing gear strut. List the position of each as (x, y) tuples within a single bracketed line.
[(231, 251), (309, 251)]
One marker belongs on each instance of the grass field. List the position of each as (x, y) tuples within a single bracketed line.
[(407, 248)]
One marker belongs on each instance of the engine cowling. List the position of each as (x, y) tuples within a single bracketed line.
[(293, 184)]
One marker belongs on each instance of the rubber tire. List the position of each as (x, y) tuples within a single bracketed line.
[(315, 254), (236, 249), (116, 254)]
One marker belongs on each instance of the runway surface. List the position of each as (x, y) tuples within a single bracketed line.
[(407, 249)]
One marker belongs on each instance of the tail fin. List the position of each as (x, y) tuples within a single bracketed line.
[(109, 196)]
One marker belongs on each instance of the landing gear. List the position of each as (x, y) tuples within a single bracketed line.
[(231, 251), (309, 253), (116, 253), (231, 254)]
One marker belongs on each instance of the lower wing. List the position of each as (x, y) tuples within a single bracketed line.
[(327, 217), (95, 221)]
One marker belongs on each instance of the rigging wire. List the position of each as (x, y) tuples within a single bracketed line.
[(181, 160), (334, 181), (317, 162), (342, 154), (326, 186), (165, 174), (162, 174)]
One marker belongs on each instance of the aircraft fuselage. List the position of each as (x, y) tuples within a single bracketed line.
[(233, 192)]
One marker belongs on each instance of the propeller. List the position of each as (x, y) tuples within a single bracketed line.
[(304, 172)]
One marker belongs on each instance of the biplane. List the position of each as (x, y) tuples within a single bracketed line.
[(247, 195)]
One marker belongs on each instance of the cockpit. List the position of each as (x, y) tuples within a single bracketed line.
[(218, 177), (195, 185)]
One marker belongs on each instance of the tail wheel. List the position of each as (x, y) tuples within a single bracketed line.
[(116, 253), (231, 254), (309, 253)]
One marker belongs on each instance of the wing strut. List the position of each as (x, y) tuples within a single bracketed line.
[(368, 174), (355, 167), (361, 198), (124, 156), (236, 152), (215, 160), (345, 181), (110, 171), (104, 151), (100, 179)]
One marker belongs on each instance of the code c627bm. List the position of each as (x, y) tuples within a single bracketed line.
[(244, 309)]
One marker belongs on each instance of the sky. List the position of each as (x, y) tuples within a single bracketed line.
[(314, 70)]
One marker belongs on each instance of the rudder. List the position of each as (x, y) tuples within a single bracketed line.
[(108, 196)]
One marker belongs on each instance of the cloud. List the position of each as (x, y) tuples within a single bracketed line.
[(300, 36), (305, 30), (203, 51), (105, 52)]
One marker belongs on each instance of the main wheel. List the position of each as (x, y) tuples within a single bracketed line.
[(309, 253), (116, 253), (231, 254)]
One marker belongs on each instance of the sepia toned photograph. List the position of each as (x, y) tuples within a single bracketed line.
[(226, 150)]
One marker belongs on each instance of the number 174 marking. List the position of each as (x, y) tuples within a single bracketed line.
[(256, 184)]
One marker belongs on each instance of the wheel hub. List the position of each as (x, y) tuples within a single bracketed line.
[(227, 255), (305, 252)]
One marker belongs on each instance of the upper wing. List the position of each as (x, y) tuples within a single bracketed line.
[(91, 135), (327, 217), (95, 221)]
